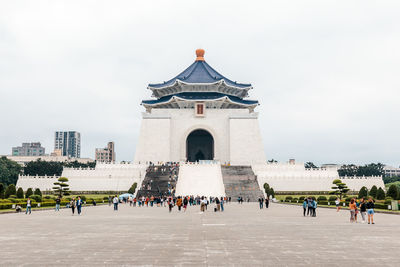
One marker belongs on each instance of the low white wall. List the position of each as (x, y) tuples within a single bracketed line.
[(105, 177), (200, 180), (294, 177)]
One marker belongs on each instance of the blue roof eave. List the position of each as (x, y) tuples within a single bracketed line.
[(218, 96)]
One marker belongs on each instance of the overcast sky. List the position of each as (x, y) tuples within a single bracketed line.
[(326, 73)]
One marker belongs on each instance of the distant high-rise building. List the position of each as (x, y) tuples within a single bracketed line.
[(106, 154), (69, 143), (28, 149)]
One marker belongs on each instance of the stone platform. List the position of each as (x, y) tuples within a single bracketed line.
[(243, 235)]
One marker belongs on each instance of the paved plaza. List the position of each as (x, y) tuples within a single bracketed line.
[(242, 236)]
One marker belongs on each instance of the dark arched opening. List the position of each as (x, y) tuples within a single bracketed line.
[(199, 146)]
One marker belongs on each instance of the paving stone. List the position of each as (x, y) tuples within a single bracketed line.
[(243, 235)]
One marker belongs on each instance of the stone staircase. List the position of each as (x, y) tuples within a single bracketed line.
[(160, 180), (241, 181)]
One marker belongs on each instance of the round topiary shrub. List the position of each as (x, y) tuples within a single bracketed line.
[(388, 200), (332, 198), (321, 198), (37, 198), (83, 198), (302, 198)]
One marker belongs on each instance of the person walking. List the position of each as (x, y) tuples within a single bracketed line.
[(115, 201), (28, 206), (179, 203), (79, 205), (185, 203), (203, 204), (222, 203), (352, 207), (363, 210), (309, 206), (260, 201), (305, 204), (170, 204), (337, 203), (72, 205), (218, 204), (370, 210), (314, 208), (266, 202), (58, 202)]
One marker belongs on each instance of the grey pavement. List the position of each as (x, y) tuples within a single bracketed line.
[(243, 235)]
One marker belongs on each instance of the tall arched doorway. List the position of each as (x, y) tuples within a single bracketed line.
[(199, 146)]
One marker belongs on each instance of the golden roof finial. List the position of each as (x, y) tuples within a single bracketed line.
[(200, 54)]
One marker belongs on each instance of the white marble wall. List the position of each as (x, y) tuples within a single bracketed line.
[(105, 177), (236, 134), (294, 177)]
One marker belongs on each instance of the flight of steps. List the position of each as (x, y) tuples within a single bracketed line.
[(241, 181), (155, 182)]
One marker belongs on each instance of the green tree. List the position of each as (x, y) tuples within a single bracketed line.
[(10, 191), (38, 192), (9, 171), (310, 165), (388, 180), (363, 192), (61, 187), (132, 189), (373, 191), (380, 194), (42, 168), (393, 192), (340, 189), (266, 188), (20, 193), (372, 169), (348, 170), (1, 191), (271, 192), (76, 164), (29, 192)]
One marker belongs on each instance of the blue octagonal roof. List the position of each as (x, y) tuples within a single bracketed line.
[(197, 73)]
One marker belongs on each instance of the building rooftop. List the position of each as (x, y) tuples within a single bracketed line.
[(199, 73)]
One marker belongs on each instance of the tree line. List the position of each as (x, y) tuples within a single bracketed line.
[(372, 169)]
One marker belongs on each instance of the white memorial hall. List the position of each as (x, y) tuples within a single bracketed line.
[(206, 123)]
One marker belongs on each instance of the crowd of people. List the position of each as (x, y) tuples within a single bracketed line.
[(261, 201), (365, 208), (181, 202), (310, 206)]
